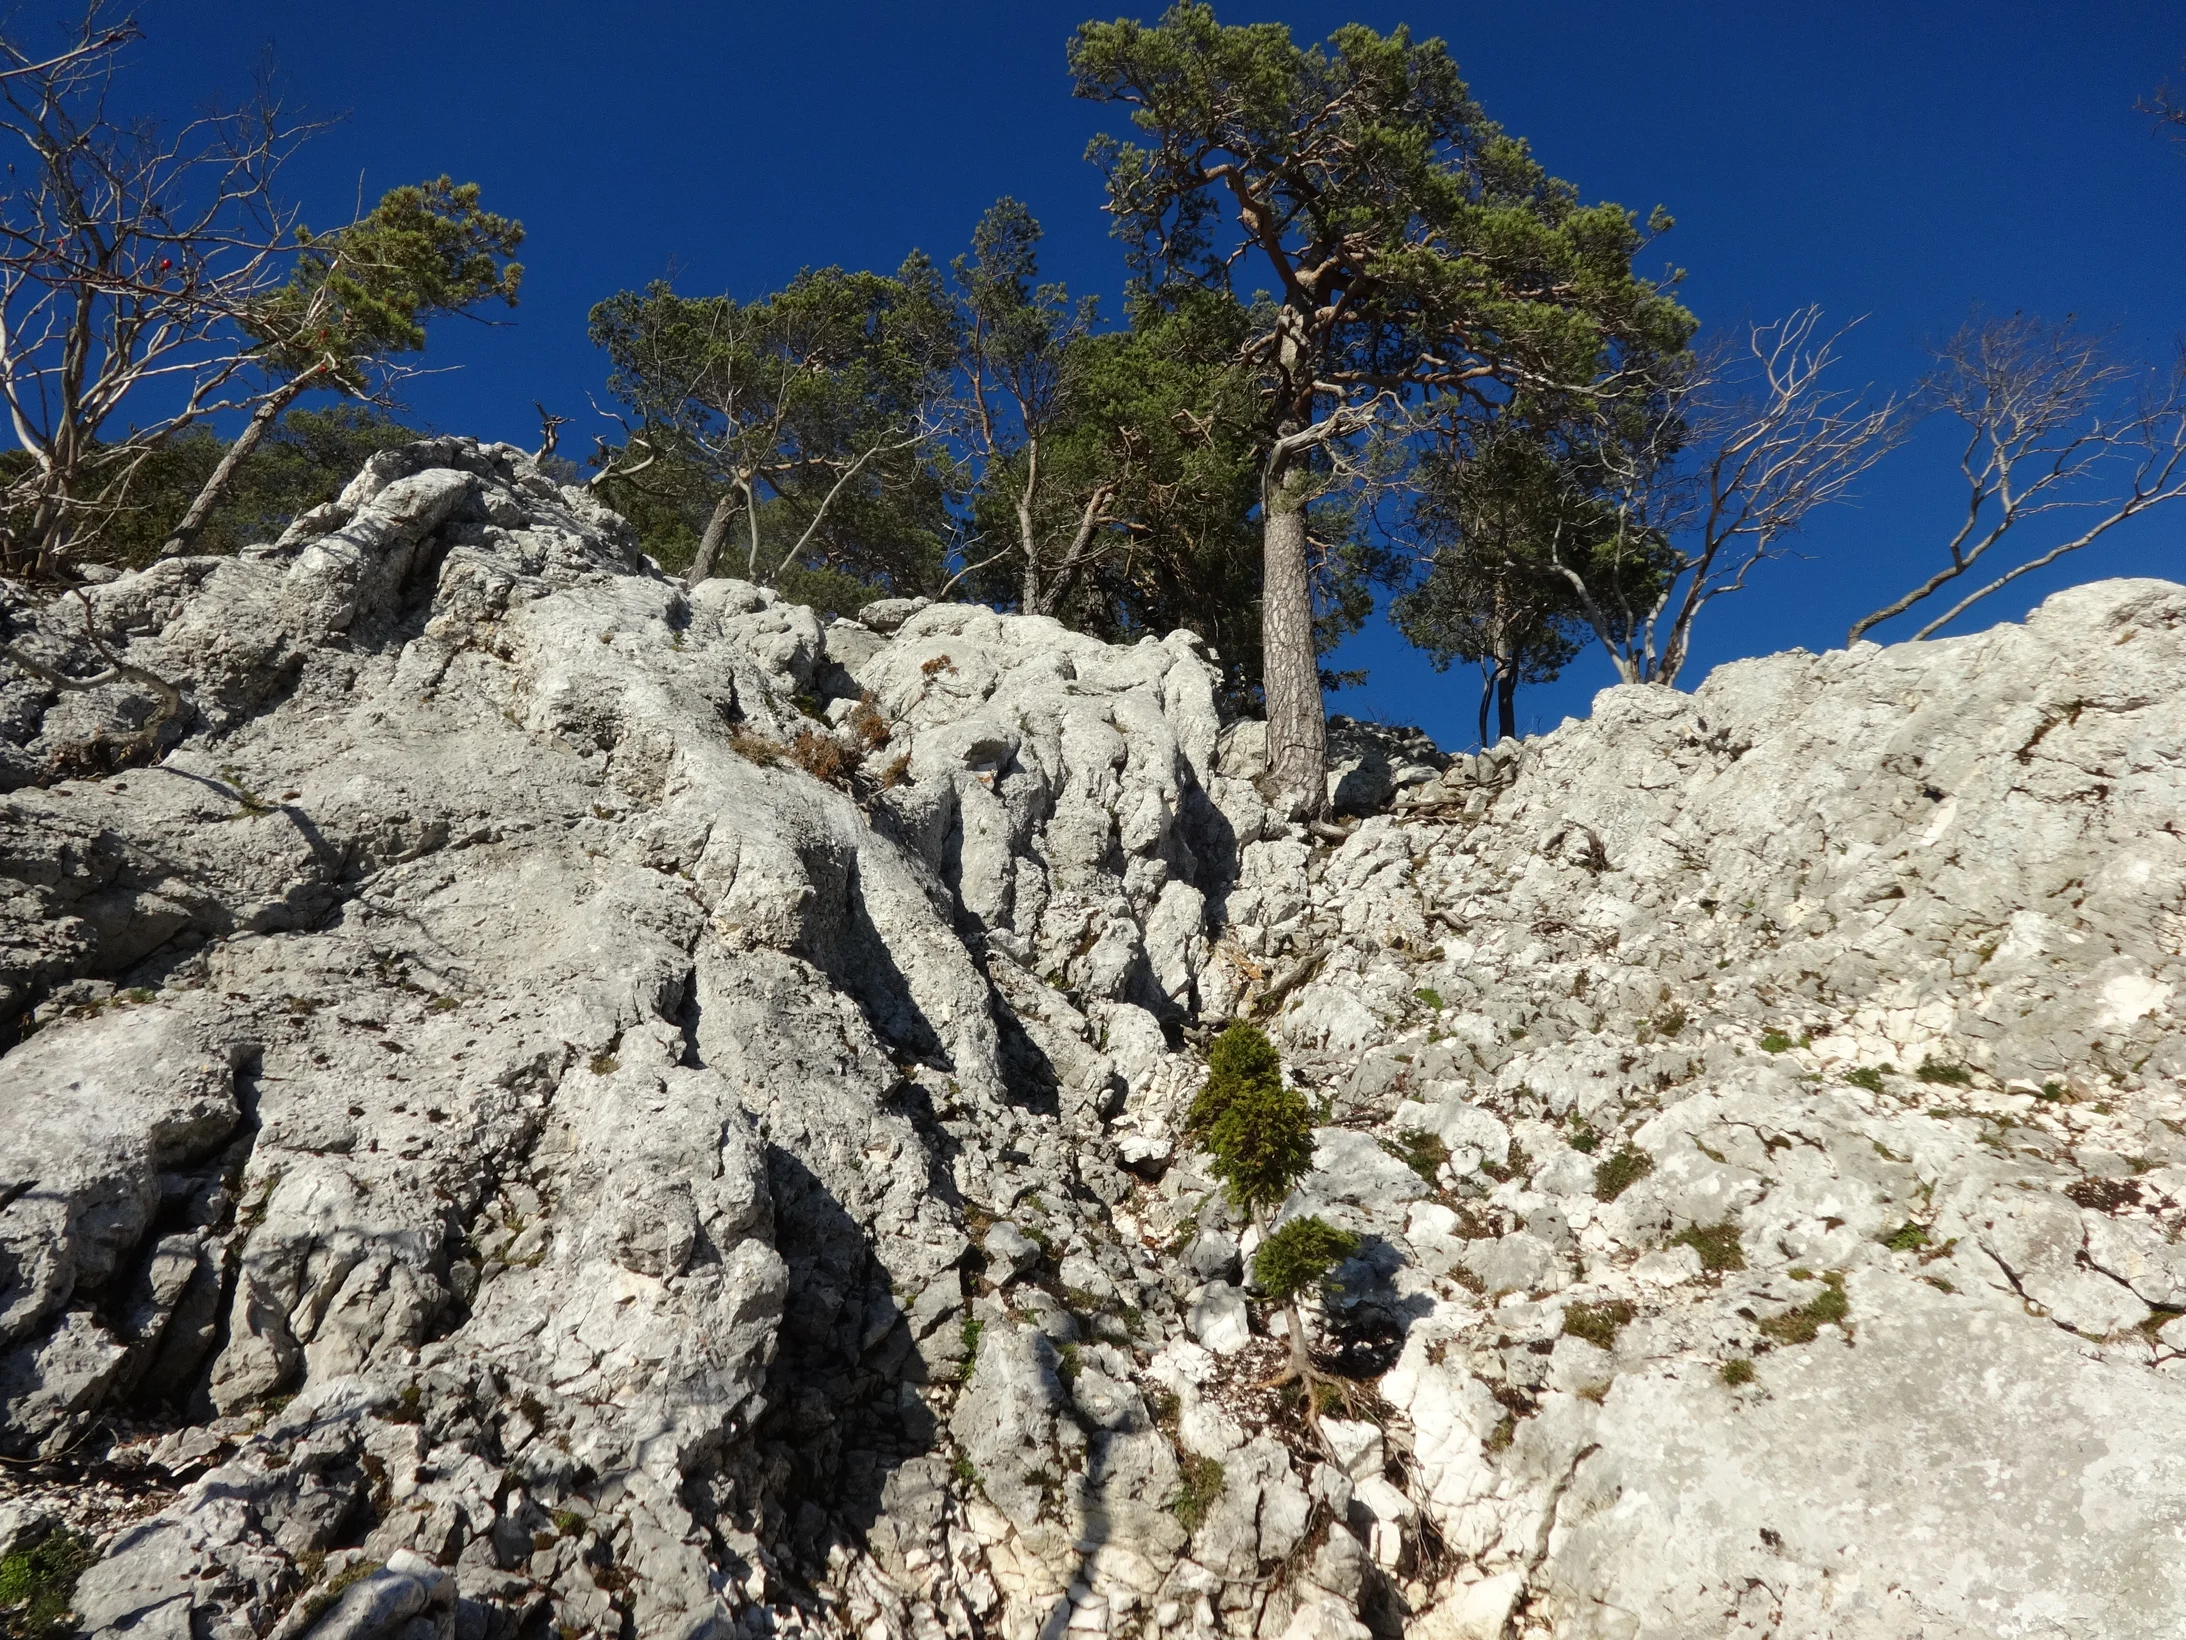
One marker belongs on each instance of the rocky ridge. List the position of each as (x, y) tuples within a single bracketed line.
[(562, 1103)]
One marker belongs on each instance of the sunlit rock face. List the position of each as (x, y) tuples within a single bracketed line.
[(561, 1102)]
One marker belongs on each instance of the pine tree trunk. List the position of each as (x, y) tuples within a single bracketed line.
[(1289, 669), (216, 486), (1028, 542), (709, 544), (1506, 702), (1298, 1359)]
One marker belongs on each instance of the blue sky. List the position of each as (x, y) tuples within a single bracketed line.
[(1901, 161)]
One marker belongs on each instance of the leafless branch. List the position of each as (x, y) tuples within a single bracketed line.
[(2168, 109), (146, 737), (949, 585), (128, 255), (918, 435), (1706, 475), (609, 458), (550, 430), (2053, 425)]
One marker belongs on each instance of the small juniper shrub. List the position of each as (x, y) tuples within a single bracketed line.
[(1718, 1245), (1867, 1076), (1423, 1153), (1775, 1042), (1241, 1057), (1949, 1075), (1299, 1256), (1906, 1238), (1582, 1136), (1261, 1145), (1736, 1371), (1598, 1324), (1201, 1484), (1429, 997), (1618, 1173), (1804, 1324), (1259, 1138)]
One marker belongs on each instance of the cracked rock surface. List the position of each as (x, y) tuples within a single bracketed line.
[(553, 1103)]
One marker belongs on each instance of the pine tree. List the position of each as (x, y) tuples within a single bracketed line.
[(1259, 1135)]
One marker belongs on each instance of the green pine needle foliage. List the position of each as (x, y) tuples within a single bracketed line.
[(1299, 1256), (365, 291), (1262, 1145), (1241, 1057)]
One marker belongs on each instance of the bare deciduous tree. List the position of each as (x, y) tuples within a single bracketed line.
[(2055, 427), (127, 255), (1022, 356), (1705, 477)]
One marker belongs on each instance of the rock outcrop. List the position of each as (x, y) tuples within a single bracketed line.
[(549, 1101)]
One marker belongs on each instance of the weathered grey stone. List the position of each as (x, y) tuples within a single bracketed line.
[(1005, 1421), (1924, 1362), (885, 615), (1009, 1251), (388, 1601), (1212, 1256), (479, 1026), (97, 1113), (1218, 1318)]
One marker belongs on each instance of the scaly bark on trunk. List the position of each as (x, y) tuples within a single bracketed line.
[(709, 544), (1289, 669)]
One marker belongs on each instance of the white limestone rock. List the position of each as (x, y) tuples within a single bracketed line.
[(504, 1121)]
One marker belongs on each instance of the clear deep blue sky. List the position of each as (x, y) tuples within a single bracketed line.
[(1901, 159)]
